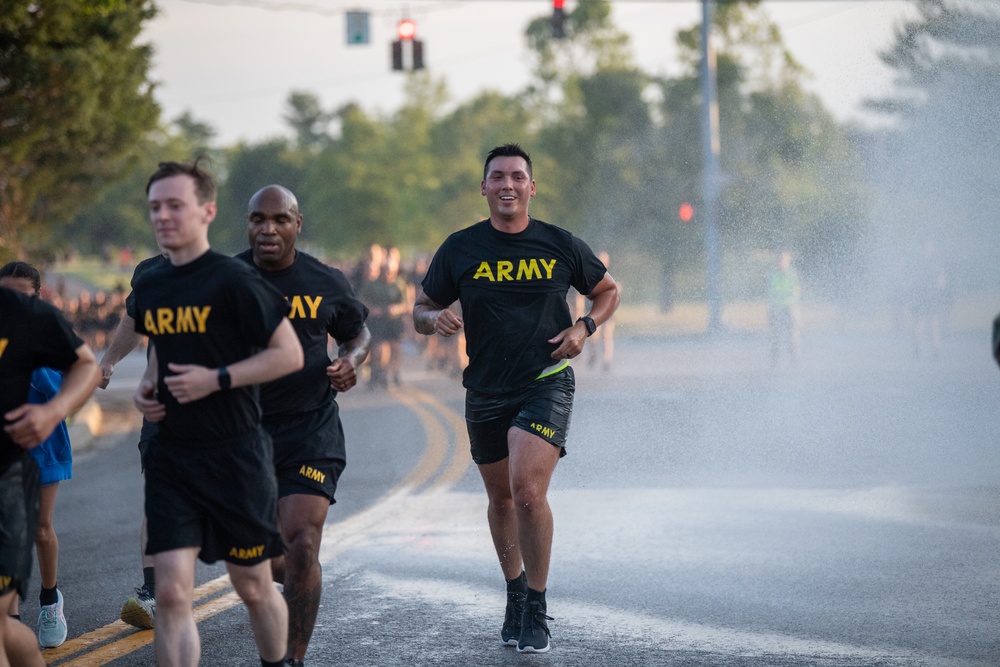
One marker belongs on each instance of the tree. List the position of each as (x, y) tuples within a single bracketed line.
[(75, 99), (119, 214), (792, 178), (937, 166), (349, 195), (307, 119)]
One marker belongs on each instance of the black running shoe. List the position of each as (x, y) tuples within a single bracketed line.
[(534, 630), (511, 630)]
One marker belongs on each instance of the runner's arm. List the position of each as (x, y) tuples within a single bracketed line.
[(283, 355), (30, 424), (342, 372), (124, 340), (433, 318), (145, 398)]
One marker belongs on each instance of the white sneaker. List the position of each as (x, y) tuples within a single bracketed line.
[(52, 624)]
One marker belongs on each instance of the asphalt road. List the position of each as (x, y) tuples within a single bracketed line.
[(711, 511)]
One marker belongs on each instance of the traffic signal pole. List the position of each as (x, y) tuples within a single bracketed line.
[(710, 173)]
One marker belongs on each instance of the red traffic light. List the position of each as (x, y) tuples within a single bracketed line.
[(685, 212), (406, 29)]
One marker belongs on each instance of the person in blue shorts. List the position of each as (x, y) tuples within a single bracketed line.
[(33, 334), (55, 464)]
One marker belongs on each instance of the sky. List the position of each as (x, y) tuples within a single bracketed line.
[(233, 63)]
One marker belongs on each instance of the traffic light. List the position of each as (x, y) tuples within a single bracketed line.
[(397, 55), (357, 28), (685, 212), (406, 31), (558, 19), (418, 54)]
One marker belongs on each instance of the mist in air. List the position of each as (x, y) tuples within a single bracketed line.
[(893, 383)]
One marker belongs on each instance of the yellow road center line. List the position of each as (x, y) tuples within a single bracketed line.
[(437, 439), (119, 627), (136, 641), (461, 458), (435, 452)]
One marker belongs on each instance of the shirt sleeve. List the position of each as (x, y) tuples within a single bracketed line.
[(261, 307), (589, 270), (439, 283), (349, 314)]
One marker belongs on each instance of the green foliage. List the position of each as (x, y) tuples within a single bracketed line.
[(792, 179), (615, 152), (74, 99), (938, 168), (118, 215), (307, 119)]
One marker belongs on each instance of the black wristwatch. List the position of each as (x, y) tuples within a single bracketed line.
[(225, 380), (589, 323)]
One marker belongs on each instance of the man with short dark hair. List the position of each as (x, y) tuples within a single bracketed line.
[(33, 334), (511, 274), (216, 330), (300, 410)]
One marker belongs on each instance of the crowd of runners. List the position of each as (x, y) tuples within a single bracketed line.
[(242, 445)]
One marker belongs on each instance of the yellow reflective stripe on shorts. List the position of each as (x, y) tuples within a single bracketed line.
[(553, 369)]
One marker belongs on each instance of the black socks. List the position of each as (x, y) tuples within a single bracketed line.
[(519, 585), (48, 596)]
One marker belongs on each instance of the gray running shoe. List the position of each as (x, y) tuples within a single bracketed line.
[(511, 629), (534, 630), (140, 611), (52, 624)]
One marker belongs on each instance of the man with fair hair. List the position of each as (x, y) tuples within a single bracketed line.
[(216, 330)]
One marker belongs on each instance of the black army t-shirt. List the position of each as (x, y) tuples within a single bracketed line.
[(512, 288), (140, 268), (33, 334), (321, 302), (212, 312)]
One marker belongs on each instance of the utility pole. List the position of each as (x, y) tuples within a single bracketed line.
[(710, 173)]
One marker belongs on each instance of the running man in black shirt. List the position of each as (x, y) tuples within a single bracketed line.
[(33, 334), (300, 412), (511, 274), (216, 330)]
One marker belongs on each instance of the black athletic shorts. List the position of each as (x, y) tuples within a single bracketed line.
[(223, 499), (19, 492), (543, 408), (308, 452)]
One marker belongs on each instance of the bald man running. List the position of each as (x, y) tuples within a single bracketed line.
[(300, 410)]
